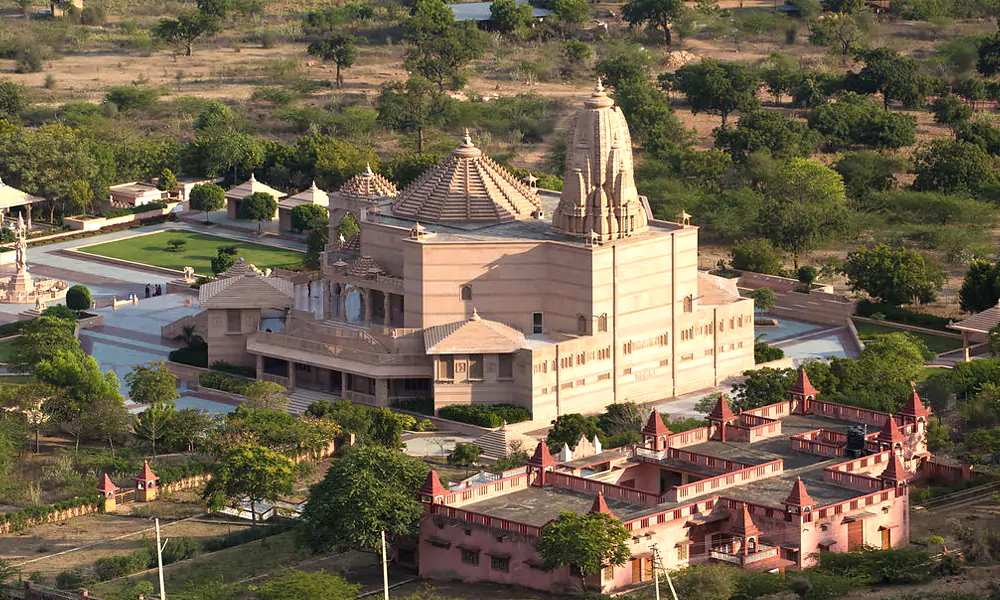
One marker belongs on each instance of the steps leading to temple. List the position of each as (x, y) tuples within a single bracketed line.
[(300, 399)]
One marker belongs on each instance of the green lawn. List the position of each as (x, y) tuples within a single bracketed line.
[(936, 343), (197, 252)]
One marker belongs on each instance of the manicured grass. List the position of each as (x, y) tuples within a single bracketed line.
[(936, 343), (198, 251)]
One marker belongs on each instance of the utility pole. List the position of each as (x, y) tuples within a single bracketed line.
[(385, 569), (159, 560), (657, 567)]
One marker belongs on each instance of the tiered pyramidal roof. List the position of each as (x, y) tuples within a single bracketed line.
[(467, 186), (368, 185)]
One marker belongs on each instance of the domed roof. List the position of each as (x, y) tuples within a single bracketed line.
[(368, 185), (467, 186)]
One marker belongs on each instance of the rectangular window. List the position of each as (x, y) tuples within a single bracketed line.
[(498, 563), (687, 357), (506, 366), (233, 323), (476, 367), (470, 557), (607, 573), (446, 367), (536, 322), (682, 553)]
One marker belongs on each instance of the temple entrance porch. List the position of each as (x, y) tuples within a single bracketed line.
[(355, 305)]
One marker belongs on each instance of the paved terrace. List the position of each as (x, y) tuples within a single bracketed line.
[(537, 506)]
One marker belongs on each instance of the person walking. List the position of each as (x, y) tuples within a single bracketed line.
[(147, 290), (309, 288)]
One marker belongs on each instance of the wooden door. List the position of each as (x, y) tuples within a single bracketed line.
[(636, 570), (886, 539), (855, 534)]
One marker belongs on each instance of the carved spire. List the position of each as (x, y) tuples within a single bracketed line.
[(599, 200)]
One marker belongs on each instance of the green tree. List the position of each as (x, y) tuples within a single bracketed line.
[(186, 28), (258, 206), (207, 197), (586, 543), (989, 55), (762, 387), (569, 12), (651, 120), (760, 130), (12, 100), (841, 33), (266, 395), (78, 298), (814, 89), (950, 110), (953, 166), (439, 47), (156, 387), (894, 274), (298, 585), (706, 582), (340, 48), (805, 204), (781, 74), (622, 418), (249, 471), (316, 241), (385, 428), (43, 338), (718, 87), (567, 429), (577, 52), (382, 480), (413, 106), (464, 455), (152, 424), (186, 428), (655, 14), (166, 182), (757, 255), (888, 73), (865, 172), (856, 119), (81, 197), (763, 299), (90, 403), (629, 63), (511, 17), (981, 287), (225, 257), (306, 217), (993, 340)]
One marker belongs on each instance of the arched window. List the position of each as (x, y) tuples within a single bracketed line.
[(602, 323), (581, 324), (688, 304), (466, 292)]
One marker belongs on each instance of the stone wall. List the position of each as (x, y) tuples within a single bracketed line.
[(819, 306), (97, 223)]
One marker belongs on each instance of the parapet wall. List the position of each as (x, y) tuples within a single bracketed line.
[(726, 480), (818, 306)]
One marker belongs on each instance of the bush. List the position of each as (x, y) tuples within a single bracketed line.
[(70, 580), (763, 353), (424, 406), (238, 538), (196, 356), (28, 60), (180, 548), (243, 371), (485, 415), (92, 15), (224, 382), (78, 298), (132, 210), (113, 567), (132, 97), (867, 308), (757, 255)]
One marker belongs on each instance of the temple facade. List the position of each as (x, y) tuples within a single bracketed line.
[(766, 489), (473, 286)]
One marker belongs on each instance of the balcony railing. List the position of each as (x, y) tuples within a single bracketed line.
[(763, 553)]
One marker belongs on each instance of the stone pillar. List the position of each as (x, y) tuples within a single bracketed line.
[(343, 384), (965, 345), (381, 392), (368, 305), (260, 366), (387, 317), (28, 210), (327, 299), (342, 304), (291, 375)]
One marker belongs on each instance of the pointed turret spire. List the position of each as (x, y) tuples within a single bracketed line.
[(802, 386), (742, 524), (432, 487), (106, 486), (799, 497), (914, 407), (721, 412), (368, 170), (894, 471), (890, 433), (600, 505), (253, 178), (542, 457), (655, 426)]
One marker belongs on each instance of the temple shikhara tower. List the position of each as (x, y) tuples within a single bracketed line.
[(471, 285)]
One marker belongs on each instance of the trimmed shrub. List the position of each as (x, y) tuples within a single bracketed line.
[(896, 314), (485, 415), (224, 382), (180, 548), (238, 538), (70, 580), (196, 356), (424, 406), (132, 210), (763, 353), (223, 366)]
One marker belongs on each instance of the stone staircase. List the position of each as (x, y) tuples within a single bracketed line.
[(300, 399)]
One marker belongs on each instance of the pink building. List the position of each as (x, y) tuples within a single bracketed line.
[(764, 489)]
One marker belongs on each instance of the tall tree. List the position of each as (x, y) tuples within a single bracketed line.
[(42, 338), (805, 204), (413, 106), (440, 47), (156, 387), (249, 471), (981, 287), (340, 48), (656, 14), (953, 166), (207, 197), (587, 543), (511, 17), (894, 274), (186, 428), (186, 28), (384, 481), (258, 206), (266, 395), (718, 87), (989, 55), (897, 78)]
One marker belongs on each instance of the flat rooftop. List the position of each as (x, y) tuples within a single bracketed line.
[(537, 506)]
